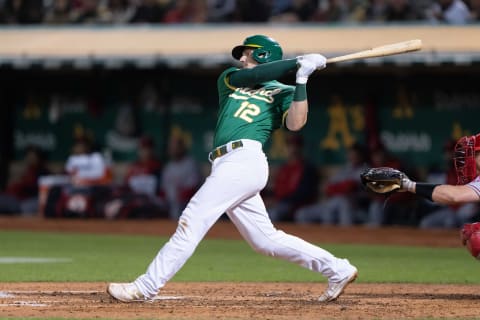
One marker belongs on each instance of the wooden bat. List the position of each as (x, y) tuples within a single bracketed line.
[(386, 50)]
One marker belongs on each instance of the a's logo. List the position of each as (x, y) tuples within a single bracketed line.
[(259, 94)]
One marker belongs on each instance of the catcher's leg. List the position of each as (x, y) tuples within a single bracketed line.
[(251, 219)]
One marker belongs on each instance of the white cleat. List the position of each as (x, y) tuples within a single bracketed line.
[(125, 292), (335, 289)]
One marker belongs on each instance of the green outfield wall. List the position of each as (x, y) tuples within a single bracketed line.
[(415, 111)]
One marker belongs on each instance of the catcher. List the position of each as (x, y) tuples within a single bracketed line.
[(386, 180)]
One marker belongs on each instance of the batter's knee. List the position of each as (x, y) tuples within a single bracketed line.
[(268, 245)]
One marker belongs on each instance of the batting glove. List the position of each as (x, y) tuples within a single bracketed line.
[(319, 60), (306, 68)]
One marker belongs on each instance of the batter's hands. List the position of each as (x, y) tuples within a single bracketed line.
[(308, 64), (319, 60)]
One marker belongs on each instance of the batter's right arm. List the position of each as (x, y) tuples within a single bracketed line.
[(262, 72), (298, 110)]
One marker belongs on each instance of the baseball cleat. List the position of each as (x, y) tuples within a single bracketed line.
[(335, 289), (125, 292)]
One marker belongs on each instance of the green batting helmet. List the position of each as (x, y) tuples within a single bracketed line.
[(265, 49)]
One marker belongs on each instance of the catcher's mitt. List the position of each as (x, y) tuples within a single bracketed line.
[(383, 180)]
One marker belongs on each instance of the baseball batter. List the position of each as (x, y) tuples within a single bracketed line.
[(252, 105)]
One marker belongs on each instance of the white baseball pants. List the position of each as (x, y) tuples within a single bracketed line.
[(233, 187)]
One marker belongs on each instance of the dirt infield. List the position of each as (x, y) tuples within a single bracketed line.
[(243, 300)]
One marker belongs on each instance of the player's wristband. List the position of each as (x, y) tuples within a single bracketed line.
[(425, 190), (300, 92)]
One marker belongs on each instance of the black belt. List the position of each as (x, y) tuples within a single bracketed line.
[(223, 150)]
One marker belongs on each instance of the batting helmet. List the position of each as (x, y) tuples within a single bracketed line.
[(464, 158), (265, 49)]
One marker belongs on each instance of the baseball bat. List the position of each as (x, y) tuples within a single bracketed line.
[(386, 50)]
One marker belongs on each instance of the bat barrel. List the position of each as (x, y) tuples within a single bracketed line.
[(386, 50)]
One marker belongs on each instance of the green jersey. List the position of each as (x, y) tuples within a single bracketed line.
[(250, 113)]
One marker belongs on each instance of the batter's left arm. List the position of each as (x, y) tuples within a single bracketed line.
[(297, 113)]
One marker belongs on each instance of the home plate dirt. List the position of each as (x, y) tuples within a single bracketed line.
[(220, 300), (241, 301)]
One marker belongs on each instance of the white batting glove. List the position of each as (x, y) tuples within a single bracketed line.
[(306, 68), (319, 60)]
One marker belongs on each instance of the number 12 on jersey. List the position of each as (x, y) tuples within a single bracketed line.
[(246, 111)]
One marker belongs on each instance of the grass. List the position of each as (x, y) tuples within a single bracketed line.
[(122, 258)]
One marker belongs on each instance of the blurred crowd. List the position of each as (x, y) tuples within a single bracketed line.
[(298, 191), (302, 193), (88, 186), (118, 12)]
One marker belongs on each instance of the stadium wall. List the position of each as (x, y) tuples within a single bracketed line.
[(117, 84)]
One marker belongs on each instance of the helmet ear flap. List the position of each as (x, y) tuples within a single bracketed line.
[(261, 55)]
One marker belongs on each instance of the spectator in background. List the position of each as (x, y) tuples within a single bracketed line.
[(330, 11), (293, 11), (84, 11), (295, 183), (221, 10), (379, 157), (150, 11), (90, 184), (116, 11), (475, 10), (21, 195), (87, 167), (58, 12), (187, 11), (447, 216), (181, 176), (343, 194), (140, 196), (3, 16), (340, 11), (400, 11), (376, 11), (23, 11), (399, 208), (391, 11), (143, 175), (448, 11), (253, 10)]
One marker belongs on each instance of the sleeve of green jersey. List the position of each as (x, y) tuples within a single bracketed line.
[(223, 86)]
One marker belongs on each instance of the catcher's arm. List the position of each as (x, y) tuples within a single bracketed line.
[(386, 180), (449, 194)]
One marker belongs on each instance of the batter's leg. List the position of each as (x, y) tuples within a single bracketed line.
[(251, 219), (224, 188)]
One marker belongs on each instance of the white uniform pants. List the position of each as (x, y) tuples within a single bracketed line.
[(233, 187)]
